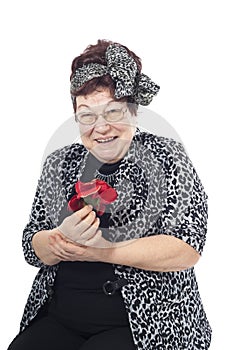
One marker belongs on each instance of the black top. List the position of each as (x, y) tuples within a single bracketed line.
[(82, 274)]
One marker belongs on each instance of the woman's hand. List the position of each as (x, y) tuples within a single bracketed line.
[(66, 250), (81, 226), (73, 240)]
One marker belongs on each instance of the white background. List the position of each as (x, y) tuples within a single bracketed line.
[(186, 48)]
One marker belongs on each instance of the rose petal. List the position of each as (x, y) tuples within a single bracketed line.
[(75, 203), (103, 185), (108, 196), (84, 189)]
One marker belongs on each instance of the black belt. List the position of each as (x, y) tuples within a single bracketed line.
[(109, 287)]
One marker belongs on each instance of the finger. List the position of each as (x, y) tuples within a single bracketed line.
[(90, 231), (69, 248), (76, 217), (54, 250), (85, 223), (57, 247), (76, 253), (82, 213)]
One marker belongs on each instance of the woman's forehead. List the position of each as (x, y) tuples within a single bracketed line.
[(97, 98)]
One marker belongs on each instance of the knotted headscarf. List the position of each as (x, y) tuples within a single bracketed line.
[(124, 72)]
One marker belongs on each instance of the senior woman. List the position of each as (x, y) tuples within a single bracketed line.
[(115, 274)]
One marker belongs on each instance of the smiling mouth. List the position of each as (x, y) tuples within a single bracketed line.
[(106, 140)]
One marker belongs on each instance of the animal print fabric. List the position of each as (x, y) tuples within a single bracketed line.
[(124, 72), (159, 192)]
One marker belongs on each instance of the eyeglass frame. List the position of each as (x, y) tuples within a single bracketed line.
[(97, 115)]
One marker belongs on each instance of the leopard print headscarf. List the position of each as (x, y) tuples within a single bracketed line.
[(123, 70)]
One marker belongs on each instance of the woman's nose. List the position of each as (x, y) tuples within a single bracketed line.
[(101, 124)]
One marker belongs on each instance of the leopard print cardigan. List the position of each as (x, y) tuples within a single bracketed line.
[(159, 192)]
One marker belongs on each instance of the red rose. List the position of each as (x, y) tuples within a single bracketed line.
[(96, 192)]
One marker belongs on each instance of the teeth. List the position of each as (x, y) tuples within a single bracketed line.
[(105, 140)]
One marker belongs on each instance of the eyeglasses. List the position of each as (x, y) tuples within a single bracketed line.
[(111, 116)]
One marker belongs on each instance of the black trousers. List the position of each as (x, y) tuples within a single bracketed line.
[(94, 322), (48, 334)]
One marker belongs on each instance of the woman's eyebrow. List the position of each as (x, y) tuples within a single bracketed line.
[(83, 105)]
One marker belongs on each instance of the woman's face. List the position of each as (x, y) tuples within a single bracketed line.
[(107, 141)]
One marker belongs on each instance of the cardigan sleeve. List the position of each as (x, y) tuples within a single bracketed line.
[(39, 218), (184, 213)]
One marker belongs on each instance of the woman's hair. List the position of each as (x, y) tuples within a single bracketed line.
[(96, 54)]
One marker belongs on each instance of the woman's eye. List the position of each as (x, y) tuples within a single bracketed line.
[(114, 111), (87, 115)]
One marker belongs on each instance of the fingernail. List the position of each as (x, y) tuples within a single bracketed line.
[(90, 206)]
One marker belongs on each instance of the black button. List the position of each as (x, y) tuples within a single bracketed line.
[(109, 287)]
